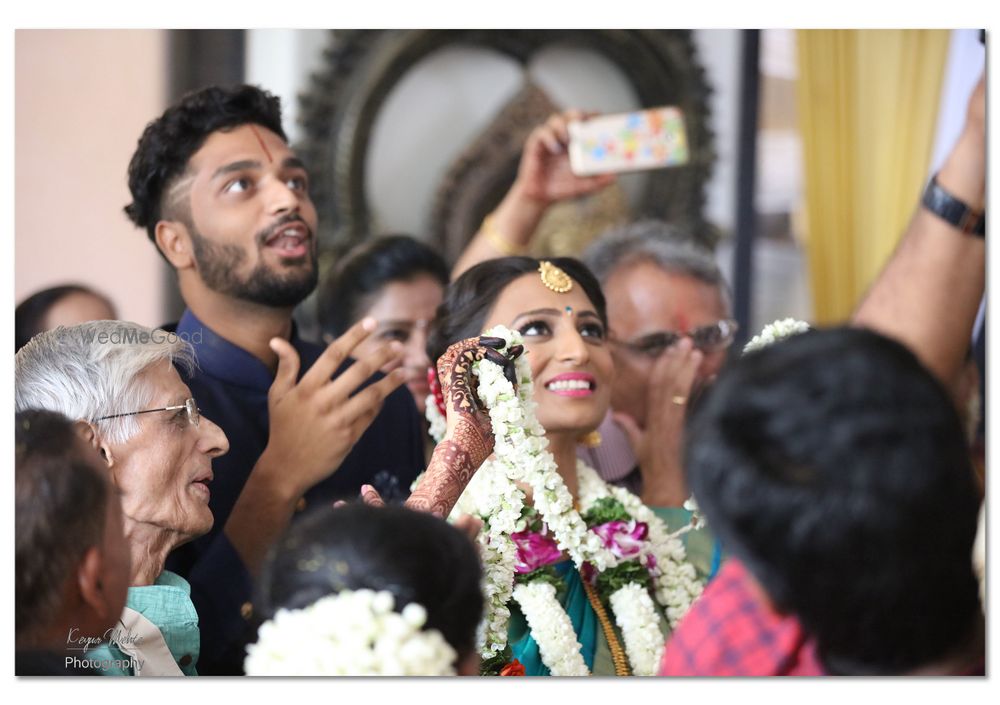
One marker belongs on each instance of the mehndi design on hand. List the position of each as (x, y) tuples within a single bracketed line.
[(469, 441)]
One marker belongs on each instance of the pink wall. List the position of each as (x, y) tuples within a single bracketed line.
[(83, 98)]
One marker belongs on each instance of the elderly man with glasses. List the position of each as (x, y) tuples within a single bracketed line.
[(122, 381), (669, 311)]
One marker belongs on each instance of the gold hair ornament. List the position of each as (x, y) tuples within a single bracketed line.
[(554, 278)]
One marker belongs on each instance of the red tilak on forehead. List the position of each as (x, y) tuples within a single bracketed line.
[(261, 141), (682, 322)]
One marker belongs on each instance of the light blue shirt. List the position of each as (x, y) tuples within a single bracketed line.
[(167, 604)]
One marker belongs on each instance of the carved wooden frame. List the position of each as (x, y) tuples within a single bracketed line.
[(362, 67)]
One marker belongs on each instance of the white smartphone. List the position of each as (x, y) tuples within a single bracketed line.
[(646, 139)]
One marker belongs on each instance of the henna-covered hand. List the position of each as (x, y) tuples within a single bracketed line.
[(467, 417), (469, 437)]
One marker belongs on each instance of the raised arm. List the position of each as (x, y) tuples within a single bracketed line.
[(314, 423), (468, 441), (929, 292), (543, 178)]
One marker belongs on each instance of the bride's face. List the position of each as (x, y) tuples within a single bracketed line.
[(565, 343)]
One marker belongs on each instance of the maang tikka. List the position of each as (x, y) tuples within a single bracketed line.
[(554, 278)]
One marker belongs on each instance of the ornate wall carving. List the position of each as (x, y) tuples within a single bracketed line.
[(362, 67)]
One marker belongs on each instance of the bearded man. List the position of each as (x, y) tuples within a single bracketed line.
[(226, 202)]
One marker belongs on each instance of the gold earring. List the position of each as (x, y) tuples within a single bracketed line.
[(554, 278), (590, 440)]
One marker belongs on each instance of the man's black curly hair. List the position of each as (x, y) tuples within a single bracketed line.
[(168, 142), (833, 464)]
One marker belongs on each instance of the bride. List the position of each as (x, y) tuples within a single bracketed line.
[(583, 578)]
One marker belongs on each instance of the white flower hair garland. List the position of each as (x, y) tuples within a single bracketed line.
[(619, 545), (352, 633), (773, 332)]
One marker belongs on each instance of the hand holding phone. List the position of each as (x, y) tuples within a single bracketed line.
[(647, 139)]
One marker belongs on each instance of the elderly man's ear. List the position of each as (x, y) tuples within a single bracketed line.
[(93, 438), (174, 241)]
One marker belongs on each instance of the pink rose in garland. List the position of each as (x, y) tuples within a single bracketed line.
[(624, 538), (534, 550), (435, 386)]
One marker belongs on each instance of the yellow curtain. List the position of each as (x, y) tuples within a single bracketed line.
[(868, 105)]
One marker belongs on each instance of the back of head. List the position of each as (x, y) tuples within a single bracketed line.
[(95, 369), (365, 270), (471, 297), (417, 557), (660, 243), (30, 314), (168, 142), (60, 498), (833, 464)]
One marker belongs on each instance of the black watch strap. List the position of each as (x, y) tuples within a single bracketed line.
[(951, 210)]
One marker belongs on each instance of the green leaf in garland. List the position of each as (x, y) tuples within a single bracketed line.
[(493, 665), (621, 575), (604, 510), (545, 574), (532, 519)]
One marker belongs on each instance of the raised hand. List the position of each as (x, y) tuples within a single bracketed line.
[(658, 446), (458, 387), (315, 422), (468, 440), (543, 178), (544, 172)]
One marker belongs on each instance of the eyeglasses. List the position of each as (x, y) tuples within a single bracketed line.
[(189, 406), (711, 338)]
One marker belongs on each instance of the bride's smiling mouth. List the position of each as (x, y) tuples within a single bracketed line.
[(572, 384)]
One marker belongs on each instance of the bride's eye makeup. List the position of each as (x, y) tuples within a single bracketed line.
[(545, 324), (592, 329), (535, 327)]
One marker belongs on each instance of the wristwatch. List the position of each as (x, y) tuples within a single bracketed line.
[(950, 209)]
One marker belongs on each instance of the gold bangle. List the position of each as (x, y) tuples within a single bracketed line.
[(488, 229)]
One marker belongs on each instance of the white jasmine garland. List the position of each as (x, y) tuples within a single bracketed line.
[(436, 420), (352, 633), (773, 332), (499, 555), (636, 616), (520, 449), (520, 455), (697, 520), (675, 580), (492, 493), (551, 629)]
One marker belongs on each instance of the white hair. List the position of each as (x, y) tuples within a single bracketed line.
[(94, 369), (671, 248)]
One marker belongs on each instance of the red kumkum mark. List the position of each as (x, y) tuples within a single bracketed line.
[(682, 322), (261, 142)]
